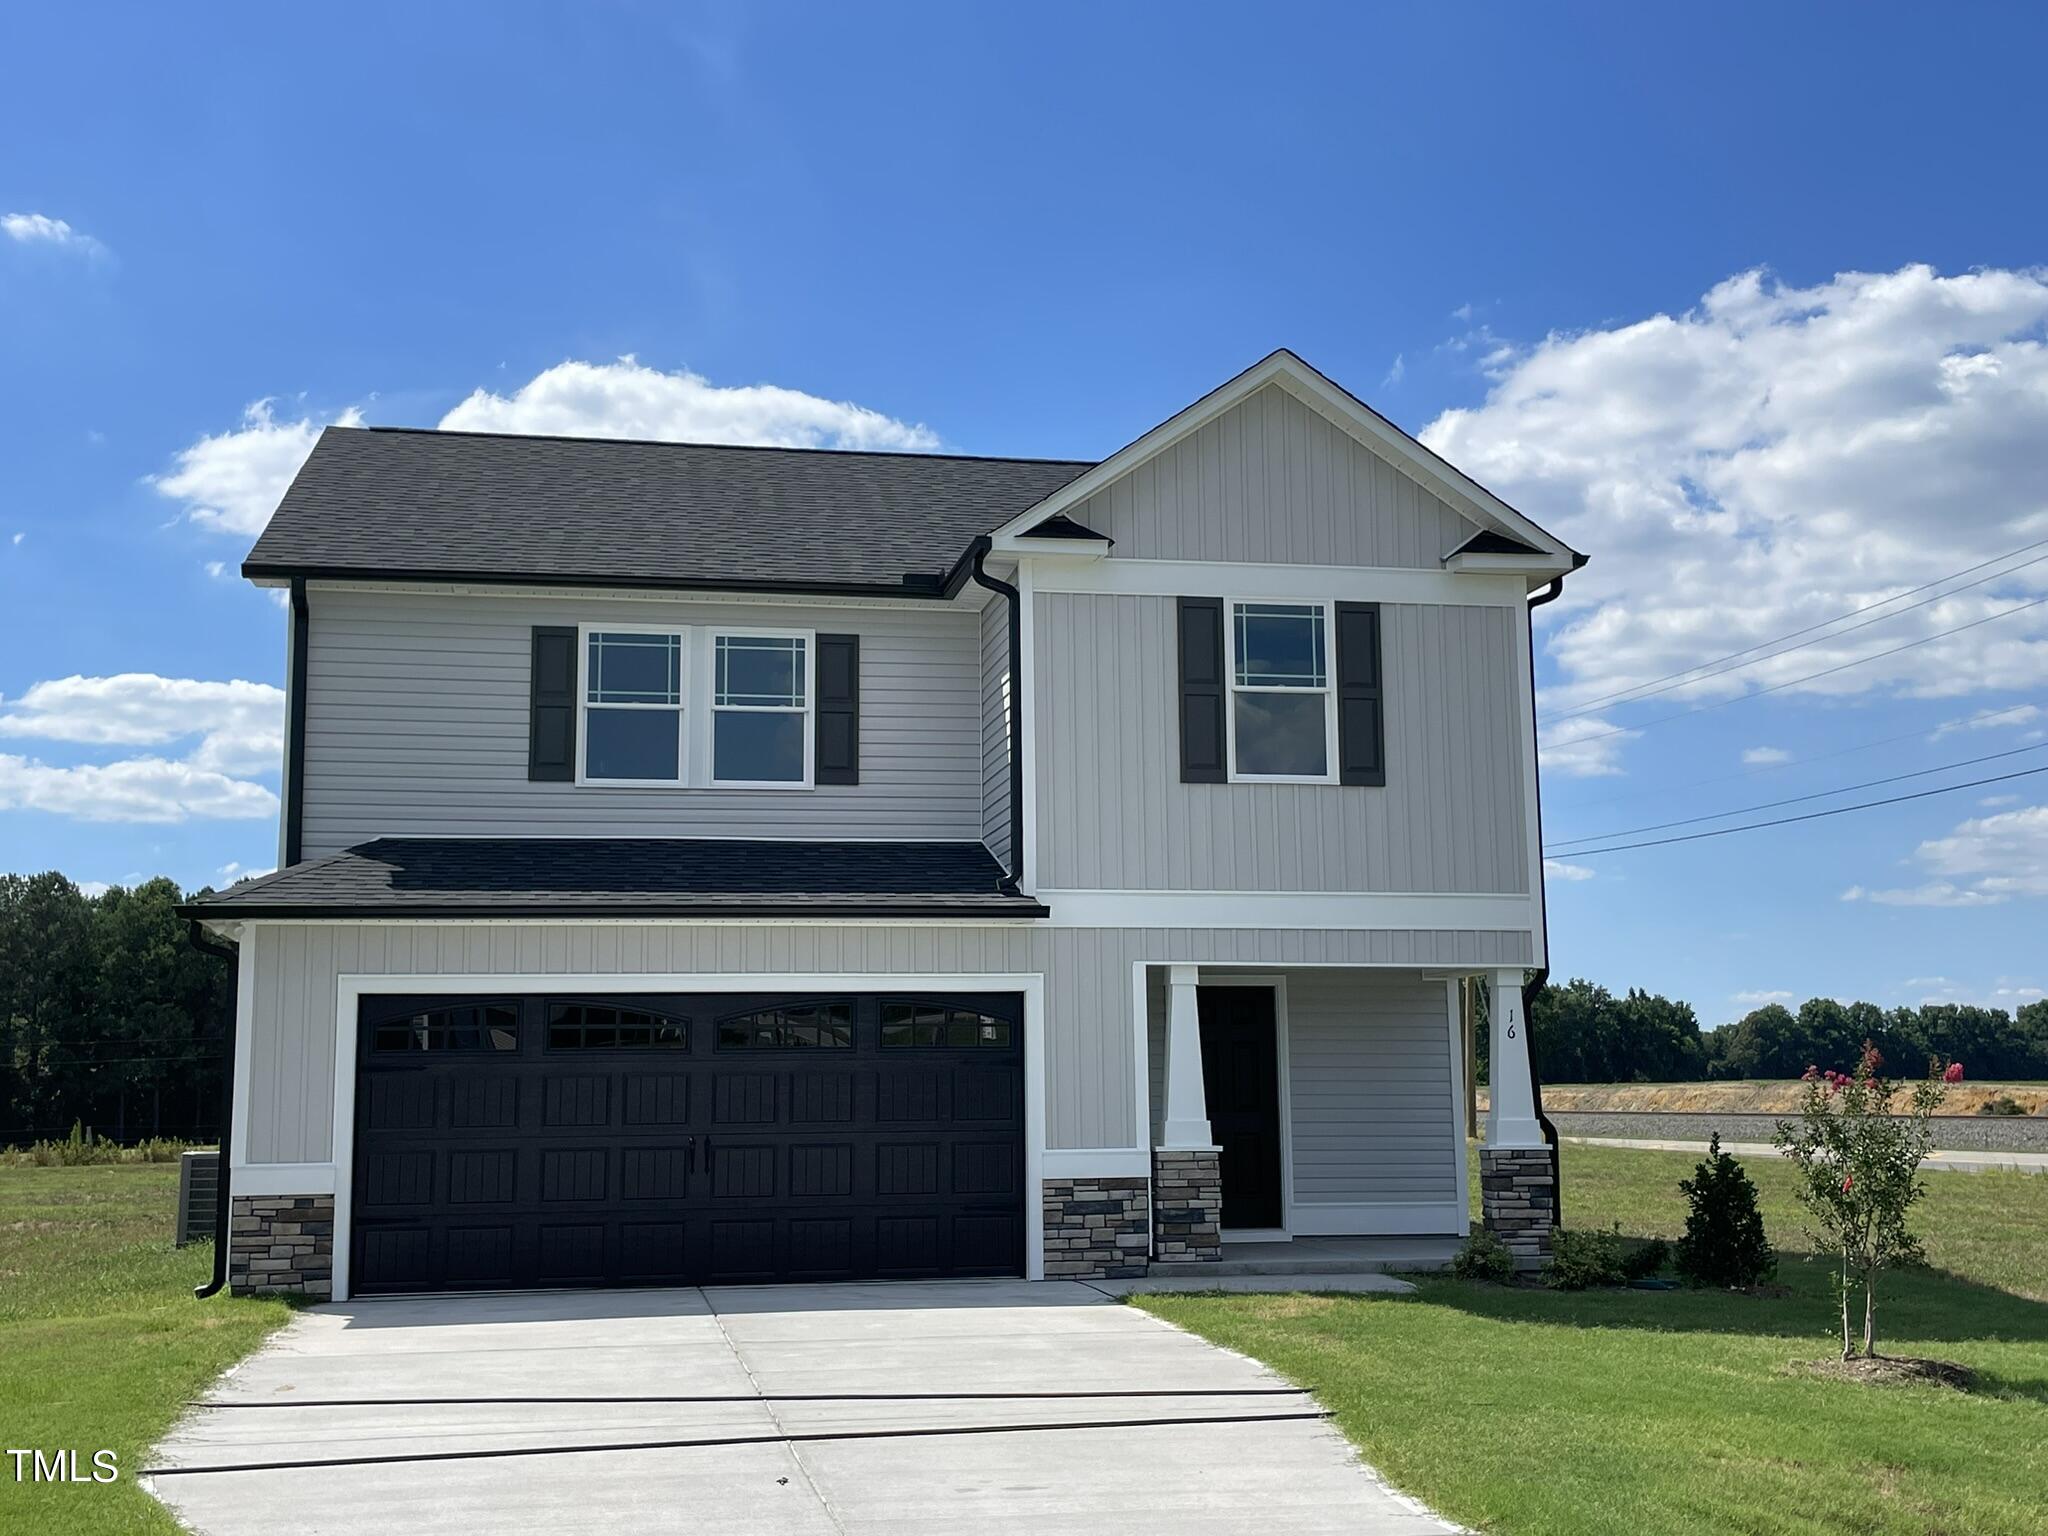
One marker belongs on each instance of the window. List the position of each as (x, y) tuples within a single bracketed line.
[(936, 1025), (1281, 703), (603, 1026), (633, 707), (469, 1027), (760, 725), (826, 1025)]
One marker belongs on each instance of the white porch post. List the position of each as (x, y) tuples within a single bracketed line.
[(1187, 1110), (1511, 1109)]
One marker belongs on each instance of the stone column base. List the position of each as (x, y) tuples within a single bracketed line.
[(281, 1243), (1096, 1229), (1187, 1204), (1518, 1201)]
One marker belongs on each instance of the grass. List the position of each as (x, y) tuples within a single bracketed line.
[(101, 1340), (1539, 1413)]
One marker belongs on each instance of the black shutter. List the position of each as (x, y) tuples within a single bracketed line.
[(551, 717), (838, 709), (1203, 744), (1361, 712)]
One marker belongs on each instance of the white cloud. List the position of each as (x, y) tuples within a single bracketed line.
[(1934, 893), (1997, 857), (41, 229), (1557, 869), (240, 725), (232, 872), (1761, 756), (628, 399), (1777, 456), (233, 482), (139, 789), (1397, 372), (1589, 747), (94, 887), (19, 537), (2009, 718), (1756, 999)]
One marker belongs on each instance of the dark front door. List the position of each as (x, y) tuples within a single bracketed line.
[(576, 1140), (1241, 1080)]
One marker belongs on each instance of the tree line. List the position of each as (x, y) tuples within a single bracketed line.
[(109, 1018), (1584, 1033)]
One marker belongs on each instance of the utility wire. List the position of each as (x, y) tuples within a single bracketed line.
[(1757, 693), (1786, 821), (1678, 679), (1819, 794)]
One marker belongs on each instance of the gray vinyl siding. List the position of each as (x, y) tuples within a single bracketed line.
[(1090, 1076), (1114, 814), (416, 725), (996, 685), (1274, 482), (1371, 1116)]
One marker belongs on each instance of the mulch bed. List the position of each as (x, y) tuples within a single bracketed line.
[(1892, 1370)]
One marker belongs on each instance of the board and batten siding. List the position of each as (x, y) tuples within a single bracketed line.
[(416, 725), (1274, 482), (1370, 1112), (1090, 1082), (996, 694), (1115, 816)]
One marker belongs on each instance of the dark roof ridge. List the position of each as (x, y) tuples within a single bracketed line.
[(679, 442)]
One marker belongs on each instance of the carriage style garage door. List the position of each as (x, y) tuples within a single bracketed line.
[(681, 1139)]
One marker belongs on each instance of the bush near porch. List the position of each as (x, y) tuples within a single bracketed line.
[(1533, 1412)]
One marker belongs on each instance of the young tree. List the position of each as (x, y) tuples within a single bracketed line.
[(1858, 1165)]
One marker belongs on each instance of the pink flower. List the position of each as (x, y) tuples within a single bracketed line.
[(1953, 1073), (1873, 1058), (1809, 1075), (1847, 1182)]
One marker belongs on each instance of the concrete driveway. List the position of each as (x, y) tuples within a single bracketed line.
[(994, 1406)]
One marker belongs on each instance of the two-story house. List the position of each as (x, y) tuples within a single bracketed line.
[(729, 864)]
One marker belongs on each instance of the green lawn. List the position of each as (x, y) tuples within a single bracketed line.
[(1535, 1413), (101, 1341)]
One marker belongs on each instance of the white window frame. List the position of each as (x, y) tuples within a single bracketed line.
[(711, 633), (1328, 608), (681, 706)]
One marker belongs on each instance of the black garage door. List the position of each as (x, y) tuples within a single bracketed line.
[(670, 1139)]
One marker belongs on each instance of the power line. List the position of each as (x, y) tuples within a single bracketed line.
[(1819, 794), (1757, 693), (1674, 678), (1786, 821)]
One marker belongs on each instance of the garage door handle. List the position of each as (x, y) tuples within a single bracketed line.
[(689, 1155)]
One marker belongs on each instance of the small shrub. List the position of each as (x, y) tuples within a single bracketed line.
[(1724, 1242), (1582, 1259), (1484, 1257), (1646, 1259), (83, 1149), (2005, 1105)]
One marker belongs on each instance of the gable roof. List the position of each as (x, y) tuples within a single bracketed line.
[(476, 506), (1287, 370)]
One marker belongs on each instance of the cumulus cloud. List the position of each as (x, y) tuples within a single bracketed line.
[(1557, 869), (1765, 756), (1984, 862), (628, 399), (233, 872), (1756, 999), (1776, 456), (1588, 747), (41, 229), (233, 482), (239, 725), (2024, 718), (147, 789)]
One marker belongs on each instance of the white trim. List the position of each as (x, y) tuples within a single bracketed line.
[(1255, 1235), (1232, 688), (1332, 1219), (245, 1031), (1459, 1151), (969, 598), (1342, 409), (1533, 565), (351, 987), (283, 1179), (1532, 810), (1095, 1163), (1141, 1061), (1025, 670), (1281, 583), (1287, 909)]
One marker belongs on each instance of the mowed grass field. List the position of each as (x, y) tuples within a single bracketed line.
[(101, 1340), (1626, 1413)]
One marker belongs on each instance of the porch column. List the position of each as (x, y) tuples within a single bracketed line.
[(1187, 1110), (1517, 1194), (1511, 1107)]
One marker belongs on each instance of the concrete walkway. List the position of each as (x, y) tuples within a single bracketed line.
[(994, 1406), (1965, 1162)]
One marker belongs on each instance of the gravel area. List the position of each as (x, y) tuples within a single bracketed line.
[(1961, 1133)]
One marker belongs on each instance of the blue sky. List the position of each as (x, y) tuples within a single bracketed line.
[(1039, 231)]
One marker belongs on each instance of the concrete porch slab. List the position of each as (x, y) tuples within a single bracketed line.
[(1320, 1256)]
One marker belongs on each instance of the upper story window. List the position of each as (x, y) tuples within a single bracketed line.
[(696, 705), (1283, 716)]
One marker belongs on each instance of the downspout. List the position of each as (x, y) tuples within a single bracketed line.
[(223, 1205), (979, 550), (295, 733), (1541, 976)]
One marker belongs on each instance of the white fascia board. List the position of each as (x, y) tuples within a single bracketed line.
[(1537, 567), (1285, 583), (1052, 551), (1289, 909)]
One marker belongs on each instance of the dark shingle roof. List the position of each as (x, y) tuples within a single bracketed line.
[(483, 506), (629, 877)]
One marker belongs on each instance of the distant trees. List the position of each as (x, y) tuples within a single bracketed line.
[(108, 1016)]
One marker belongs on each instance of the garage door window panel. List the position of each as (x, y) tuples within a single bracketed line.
[(815, 1026), (469, 1027), (939, 1026), (604, 1026)]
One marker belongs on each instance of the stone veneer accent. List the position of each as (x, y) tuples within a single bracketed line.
[(281, 1243), (1096, 1229), (1518, 1201), (1187, 1204)]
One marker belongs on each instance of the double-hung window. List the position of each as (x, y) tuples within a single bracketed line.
[(633, 706), (760, 718), (1283, 716), (697, 706)]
